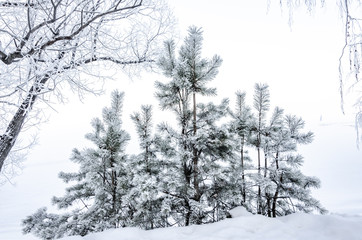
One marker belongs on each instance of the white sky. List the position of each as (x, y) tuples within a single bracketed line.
[(300, 64)]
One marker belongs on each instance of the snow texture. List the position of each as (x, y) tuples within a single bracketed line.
[(248, 226)]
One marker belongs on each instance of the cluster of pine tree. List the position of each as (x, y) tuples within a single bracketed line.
[(191, 173)]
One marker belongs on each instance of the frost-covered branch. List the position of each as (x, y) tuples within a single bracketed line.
[(46, 44), (350, 59)]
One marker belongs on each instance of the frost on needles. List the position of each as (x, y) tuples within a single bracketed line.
[(213, 159)]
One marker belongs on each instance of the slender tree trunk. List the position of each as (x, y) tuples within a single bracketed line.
[(187, 173), (265, 175), (243, 192), (259, 204), (183, 111), (151, 210), (274, 206), (276, 194), (13, 130), (148, 170), (114, 190), (265, 164), (195, 157), (194, 113), (259, 189), (150, 174), (188, 213), (113, 187), (268, 206), (259, 201)]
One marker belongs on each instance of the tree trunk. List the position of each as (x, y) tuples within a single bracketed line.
[(274, 206), (195, 157), (265, 164), (268, 206), (259, 205), (151, 210), (194, 113), (267, 195), (243, 192), (114, 191), (259, 189), (188, 213), (276, 194), (186, 168), (148, 170), (16, 124)]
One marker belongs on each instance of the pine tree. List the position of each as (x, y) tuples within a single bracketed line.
[(261, 105), (215, 154), (100, 184), (282, 188), (241, 126), (272, 129), (146, 171), (292, 188), (198, 73), (174, 147), (189, 75)]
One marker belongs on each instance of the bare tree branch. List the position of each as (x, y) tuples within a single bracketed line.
[(46, 43)]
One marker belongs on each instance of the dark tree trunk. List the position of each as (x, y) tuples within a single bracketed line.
[(114, 190), (259, 207), (265, 164), (265, 175), (148, 169), (259, 204), (268, 203), (188, 213), (186, 168), (187, 173), (195, 157), (16, 124), (274, 206), (276, 194), (243, 192)]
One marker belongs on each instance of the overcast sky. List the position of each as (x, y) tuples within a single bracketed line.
[(300, 64)]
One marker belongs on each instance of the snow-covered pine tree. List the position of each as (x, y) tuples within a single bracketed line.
[(241, 127), (281, 188), (176, 179), (189, 75), (261, 104), (215, 151), (214, 146), (292, 189), (97, 197), (271, 130), (198, 72), (146, 171)]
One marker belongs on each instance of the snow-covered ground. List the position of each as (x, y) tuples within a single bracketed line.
[(246, 226)]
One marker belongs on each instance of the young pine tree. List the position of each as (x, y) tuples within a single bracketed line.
[(292, 189), (261, 105), (272, 129), (100, 185), (146, 196), (189, 75), (241, 127)]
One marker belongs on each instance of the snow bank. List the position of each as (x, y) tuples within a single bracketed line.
[(246, 226), (239, 212)]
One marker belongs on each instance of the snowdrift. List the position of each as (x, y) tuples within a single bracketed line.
[(244, 225)]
